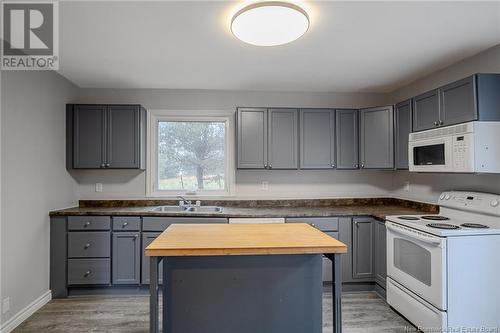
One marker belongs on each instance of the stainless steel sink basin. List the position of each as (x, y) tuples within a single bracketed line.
[(188, 209), (204, 209), (173, 209)]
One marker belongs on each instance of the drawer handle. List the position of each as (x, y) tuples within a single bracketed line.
[(136, 236), (124, 224), (356, 223), (87, 246), (87, 223), (87, 273), (313, 225)]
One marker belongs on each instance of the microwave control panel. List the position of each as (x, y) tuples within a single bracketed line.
[(462, 152)]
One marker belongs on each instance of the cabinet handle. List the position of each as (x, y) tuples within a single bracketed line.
[(87, 245), (136, 236), (270, 166), (124, 224), (103, 165), (362, 166), (356, 166), (356, 223), (333, 165), (440, 122), (107, 165), (87, 273), (87, 223), (313, 225), (265, 166), (436, 123)]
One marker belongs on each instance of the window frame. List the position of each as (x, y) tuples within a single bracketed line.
[(155, 117)]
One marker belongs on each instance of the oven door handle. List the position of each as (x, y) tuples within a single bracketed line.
[(425, 239)]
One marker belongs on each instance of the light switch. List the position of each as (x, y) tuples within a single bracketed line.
[(265, 186), (98, 187), (407, 186)]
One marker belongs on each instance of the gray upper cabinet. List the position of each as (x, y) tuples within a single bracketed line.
[(377, 138), (88, 124), (105, 136), (403, 118), (363, 248), (347, 155), (458, 102), (426, 110), (317, 139), (283, 139), (126, 261), (125, 135), (252, 138)]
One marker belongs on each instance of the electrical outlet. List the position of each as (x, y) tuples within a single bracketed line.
[(98, 187), (407, 186), (265, 186), (6, 305)]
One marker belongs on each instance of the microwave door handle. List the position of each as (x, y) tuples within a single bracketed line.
[(410, 234)]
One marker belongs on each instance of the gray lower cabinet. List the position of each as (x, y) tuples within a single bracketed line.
[(347, 141), (380, 253), (147, 238), (403, 120), (105, 136), (126, 258), (252, 138), (363, 248), (283, 139), (317, 138), (377, 138), (95, 271)]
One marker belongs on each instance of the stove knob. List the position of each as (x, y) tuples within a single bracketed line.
[(494, 203), (447, 197), (441, 196)]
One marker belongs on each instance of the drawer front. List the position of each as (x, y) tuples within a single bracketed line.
[(126, 223), (321, 223), (95, 244), (89, 223), (162, 223), (89, 271)]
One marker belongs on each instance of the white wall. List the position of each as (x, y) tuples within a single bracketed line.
[(282, 184), (427, 187), (34, 179)]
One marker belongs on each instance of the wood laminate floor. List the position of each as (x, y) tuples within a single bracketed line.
[(361, 313)]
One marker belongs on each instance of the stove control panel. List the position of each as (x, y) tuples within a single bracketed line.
[(471, 201)]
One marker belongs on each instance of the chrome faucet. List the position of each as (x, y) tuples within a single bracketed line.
[(186, 202)]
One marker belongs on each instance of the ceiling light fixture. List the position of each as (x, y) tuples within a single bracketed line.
[(270, 23)]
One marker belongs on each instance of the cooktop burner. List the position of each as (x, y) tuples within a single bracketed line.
[(435, 217), (474, 225), (410, 218), (443, 226)]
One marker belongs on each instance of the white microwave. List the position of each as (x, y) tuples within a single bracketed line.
[(472, 147)]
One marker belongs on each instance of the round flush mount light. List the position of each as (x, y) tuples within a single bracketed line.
[(270, 23)]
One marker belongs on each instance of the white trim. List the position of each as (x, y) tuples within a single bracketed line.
[(154, 116), (25, 313)]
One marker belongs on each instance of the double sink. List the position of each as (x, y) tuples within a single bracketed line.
[(188, 209)]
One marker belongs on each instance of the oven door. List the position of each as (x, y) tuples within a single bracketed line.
[(432, 155), (417, 261)]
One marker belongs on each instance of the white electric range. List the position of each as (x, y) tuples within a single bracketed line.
[(443, 270)]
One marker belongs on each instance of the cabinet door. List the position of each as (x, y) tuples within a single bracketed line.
[(252, 138), (89, 136), (283, 139), (380, 253), (126, 258), (377, 138), (327, 263), (347, 139), (147, 238), (362, 248), (123, 136), (458, 102), (403, 130), (426, 111), (317, 139)]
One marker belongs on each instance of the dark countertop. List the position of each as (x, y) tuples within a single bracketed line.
[(378, 208)]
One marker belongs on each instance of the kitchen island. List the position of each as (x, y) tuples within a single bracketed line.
[(242, 278)]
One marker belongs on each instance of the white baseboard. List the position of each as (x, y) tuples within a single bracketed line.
[(25, 313)]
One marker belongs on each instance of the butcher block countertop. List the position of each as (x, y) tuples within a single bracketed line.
[(242, 239)]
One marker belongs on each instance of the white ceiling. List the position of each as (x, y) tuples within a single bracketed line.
[(351, 46)]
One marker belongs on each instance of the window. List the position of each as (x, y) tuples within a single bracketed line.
[(189, 156)]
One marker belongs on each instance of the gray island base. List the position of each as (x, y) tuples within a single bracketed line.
[(244, 294)]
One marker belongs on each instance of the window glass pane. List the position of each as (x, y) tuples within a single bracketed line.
[(191, 155)]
